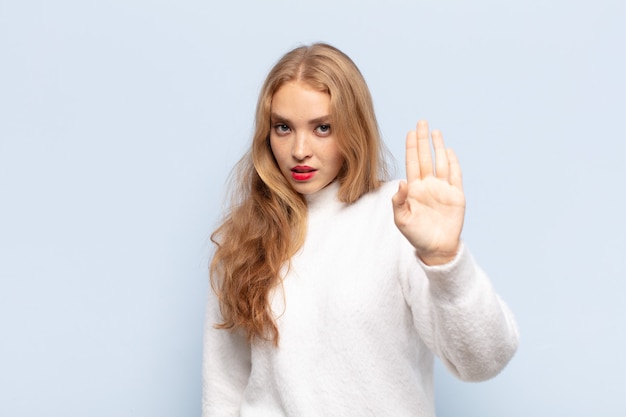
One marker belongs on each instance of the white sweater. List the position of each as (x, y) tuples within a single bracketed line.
[(359, 319)]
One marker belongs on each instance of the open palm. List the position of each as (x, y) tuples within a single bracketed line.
[(429, 207)]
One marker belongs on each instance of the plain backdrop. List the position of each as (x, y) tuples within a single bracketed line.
[(120, 122)]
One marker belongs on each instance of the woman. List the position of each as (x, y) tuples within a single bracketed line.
[(321, 306)]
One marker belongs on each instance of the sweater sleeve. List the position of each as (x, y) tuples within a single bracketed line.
[(226, 366), (462, 319)]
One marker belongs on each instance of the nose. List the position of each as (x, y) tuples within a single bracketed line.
[(301, 148)]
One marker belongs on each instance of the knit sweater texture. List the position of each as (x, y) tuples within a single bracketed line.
[(360, 321)]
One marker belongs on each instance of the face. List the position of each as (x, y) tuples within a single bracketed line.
[(302, 138)]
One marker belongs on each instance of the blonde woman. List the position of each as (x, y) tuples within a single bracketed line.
[(334, 288)]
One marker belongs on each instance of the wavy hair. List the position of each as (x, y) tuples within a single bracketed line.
[(266, 223)]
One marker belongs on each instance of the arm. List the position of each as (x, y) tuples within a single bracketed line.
[(455, 309), (225, 368), (462, 319)]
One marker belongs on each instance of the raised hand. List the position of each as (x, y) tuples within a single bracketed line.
[(430, 206)]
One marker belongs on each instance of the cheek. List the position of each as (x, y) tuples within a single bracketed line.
[(278, 151), (334, 154)]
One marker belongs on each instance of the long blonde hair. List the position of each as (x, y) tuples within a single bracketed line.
[(266, 223)]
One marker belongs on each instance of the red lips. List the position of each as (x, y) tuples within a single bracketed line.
[(302, 172)]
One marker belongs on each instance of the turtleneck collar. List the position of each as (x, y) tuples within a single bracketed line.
[(326, 197)]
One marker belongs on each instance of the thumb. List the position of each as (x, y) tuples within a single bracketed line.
[(399, 198)]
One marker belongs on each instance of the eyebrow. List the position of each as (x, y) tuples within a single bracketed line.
[(278, 118)]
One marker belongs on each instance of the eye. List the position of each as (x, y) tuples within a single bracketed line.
[(323, 130), (281, 128)]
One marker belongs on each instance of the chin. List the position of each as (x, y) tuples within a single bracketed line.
[(306, 189)]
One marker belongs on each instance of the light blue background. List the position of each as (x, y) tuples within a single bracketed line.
[(120, 121)]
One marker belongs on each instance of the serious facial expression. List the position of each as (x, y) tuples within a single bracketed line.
[(302, 138)]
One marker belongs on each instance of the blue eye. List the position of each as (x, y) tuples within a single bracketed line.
[(323, 130), (281, 128)]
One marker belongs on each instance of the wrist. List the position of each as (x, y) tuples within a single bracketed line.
[(439, 257)]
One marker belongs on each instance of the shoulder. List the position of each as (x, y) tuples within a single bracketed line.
[(389, 188), (382, 194), (375, 206)]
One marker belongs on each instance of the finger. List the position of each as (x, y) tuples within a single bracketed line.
[(399, 198), (456, 176), (423, 149), (441, 156), (412, 163)]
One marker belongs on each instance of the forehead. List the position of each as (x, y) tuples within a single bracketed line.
[(297, 98)]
